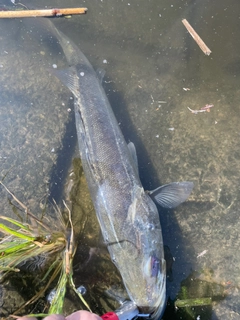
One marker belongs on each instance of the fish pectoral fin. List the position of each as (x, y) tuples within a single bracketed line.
[(171, 195), (133, 153)]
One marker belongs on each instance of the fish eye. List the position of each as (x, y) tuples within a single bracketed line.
[(152, 267), (155, 266)]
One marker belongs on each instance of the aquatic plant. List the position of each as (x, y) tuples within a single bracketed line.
[(32, 245)]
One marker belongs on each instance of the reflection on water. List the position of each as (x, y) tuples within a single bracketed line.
[(150, 59)]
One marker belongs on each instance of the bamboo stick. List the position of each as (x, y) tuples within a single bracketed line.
[(196, 37), (42, 13)]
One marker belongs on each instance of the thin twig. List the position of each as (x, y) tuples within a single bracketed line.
[(196, 37), (42, 13), (28, 213), (70, 246), (196, 111)]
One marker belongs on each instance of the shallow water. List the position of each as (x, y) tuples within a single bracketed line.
[(150, 59)]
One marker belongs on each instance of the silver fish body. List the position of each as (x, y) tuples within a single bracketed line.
[(128, 217)]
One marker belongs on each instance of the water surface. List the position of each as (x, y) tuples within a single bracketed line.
[(149, 59)]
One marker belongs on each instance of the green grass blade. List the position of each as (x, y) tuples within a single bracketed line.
[(9, 269), (78, 293), (15, 233), (13, 221), (15, 258), (58, 300), (52, 266), (12, 247), (41, 292)]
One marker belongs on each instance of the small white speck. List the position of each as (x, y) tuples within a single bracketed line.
[(69, 110), (63, 104), (104, 61), (157, 136), (1, 65), (160, 15), (51, 295), (215, 122), (81, 74), (171, 129), (129, 4), (54, 66), (202, 253), (53, 150)]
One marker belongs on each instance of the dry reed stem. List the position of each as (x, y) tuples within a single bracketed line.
[(196, 37), (42, 13)]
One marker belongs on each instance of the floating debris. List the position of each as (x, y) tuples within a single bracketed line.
[(196, 37), (202, 253), (42, 12), (203, 109)]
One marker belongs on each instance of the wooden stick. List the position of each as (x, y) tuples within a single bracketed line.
[(196, 37), (42, 13)]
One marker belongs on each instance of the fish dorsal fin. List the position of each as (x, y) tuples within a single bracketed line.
[(69, 78), (173, 194), (133, 153)]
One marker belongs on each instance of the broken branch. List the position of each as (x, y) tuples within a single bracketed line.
[(42, 13), (196, 37)]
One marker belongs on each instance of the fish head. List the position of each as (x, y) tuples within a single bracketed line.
[(142, 264)]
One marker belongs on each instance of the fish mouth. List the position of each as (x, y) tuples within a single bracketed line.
[(155, 313), (158, 313), (161, 304)]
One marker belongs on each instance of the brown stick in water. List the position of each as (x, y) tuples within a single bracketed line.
[(42, 13), (196, 37)]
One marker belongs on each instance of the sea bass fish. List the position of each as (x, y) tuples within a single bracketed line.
[(127, 215)]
